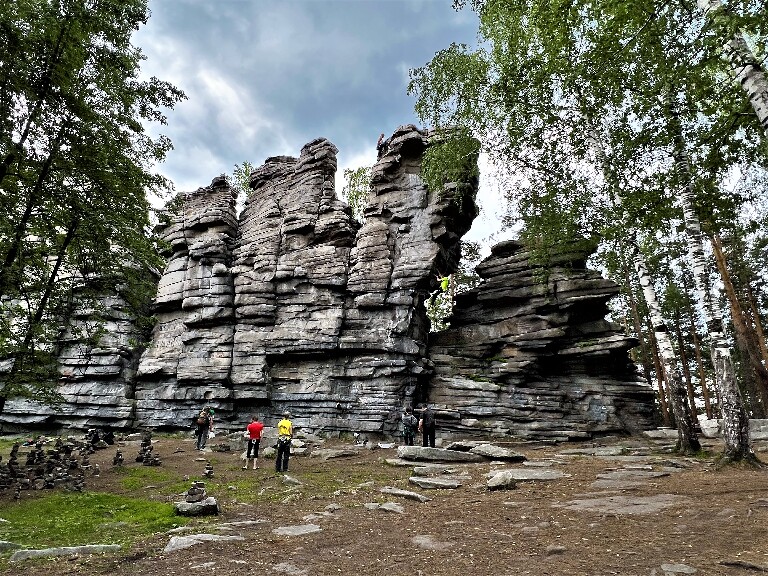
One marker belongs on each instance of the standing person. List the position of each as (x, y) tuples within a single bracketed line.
[(410, 423), (284, 435), (427, 426), (380, 145), (204, 425), (254, 439)]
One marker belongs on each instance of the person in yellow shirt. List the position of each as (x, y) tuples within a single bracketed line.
[(284, 435)]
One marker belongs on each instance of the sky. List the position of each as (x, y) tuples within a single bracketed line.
[(264, 77)]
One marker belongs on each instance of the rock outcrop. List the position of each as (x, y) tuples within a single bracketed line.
[(297, 306), (301, 307), (530, 354)]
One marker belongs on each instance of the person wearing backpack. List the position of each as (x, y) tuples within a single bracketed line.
[(427, 426), (203, 425), (410, 424), (284, 436)]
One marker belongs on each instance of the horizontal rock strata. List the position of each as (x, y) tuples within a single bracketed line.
[(530, 354), (297, 306)]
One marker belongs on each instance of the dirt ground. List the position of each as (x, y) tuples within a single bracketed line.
[(631, 508)]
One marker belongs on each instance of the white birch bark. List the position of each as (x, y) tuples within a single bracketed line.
[(685, 432), (745, 68), (735, 421), (688, 440)]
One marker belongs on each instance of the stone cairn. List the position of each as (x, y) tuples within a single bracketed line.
[(118, 459), (197, 502), (146, 455), (196, 493), (208, 472), (44, 469)]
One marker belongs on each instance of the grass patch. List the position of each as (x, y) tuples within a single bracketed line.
[(136, 478), (75, 519)]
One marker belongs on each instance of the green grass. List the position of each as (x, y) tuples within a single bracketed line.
[(136, 478), (75, 519)]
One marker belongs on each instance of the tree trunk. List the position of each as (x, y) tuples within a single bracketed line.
[(756, 322), (688, 441), (686, 369), (639, 331), (755, 374), (745, 67), (697, 351), (735, 422)]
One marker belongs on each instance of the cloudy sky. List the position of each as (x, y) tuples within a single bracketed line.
[(264, 77)]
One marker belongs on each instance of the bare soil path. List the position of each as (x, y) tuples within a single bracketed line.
[(623, 506)]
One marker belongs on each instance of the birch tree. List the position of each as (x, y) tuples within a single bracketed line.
[(544, 69)]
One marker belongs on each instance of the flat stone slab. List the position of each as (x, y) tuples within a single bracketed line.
[(621, 475), (434, 470), (435, 483), (594, 451), (497, 453), (65, 551), (328, 453), (386, 506), (405, 494), (529, 474), (621, 504), (422, 454), (182, 542), (398, 462), (428, 542), (299, 530)]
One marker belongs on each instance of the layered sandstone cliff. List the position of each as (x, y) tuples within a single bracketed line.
[(297, 306)]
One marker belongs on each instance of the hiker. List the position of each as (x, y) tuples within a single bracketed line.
[(410, 422), (380, 145), (444, 282), (254, 439), (427, 426), (284, 435), (204, 425)]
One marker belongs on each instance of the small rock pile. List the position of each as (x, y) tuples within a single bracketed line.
[(146, 455), (197, 502)]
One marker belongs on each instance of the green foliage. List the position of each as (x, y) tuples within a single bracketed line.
[(75, 169), (241, 179), (357, 189), (74, 519), (440, 304), (450, 158)]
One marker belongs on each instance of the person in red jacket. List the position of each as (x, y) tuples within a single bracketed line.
[(254, 439)]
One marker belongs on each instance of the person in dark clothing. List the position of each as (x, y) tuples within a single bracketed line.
[(409, 426), (203, 425), (427, 427)]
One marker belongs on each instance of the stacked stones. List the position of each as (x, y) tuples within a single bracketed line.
[(118, 459), (536, 359), (146, 455), (43, 469), (197, 502)]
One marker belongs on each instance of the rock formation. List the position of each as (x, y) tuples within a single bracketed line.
[(530, 354), (299, 307)]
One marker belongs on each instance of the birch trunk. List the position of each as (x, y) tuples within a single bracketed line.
[(688, 441), (735, 421), (745, 67)]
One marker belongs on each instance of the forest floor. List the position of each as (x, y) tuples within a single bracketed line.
[(621, 506)]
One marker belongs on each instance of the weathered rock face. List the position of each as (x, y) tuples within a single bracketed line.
[(298, 307), (96, 382), (529, 353), (308, 310)]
